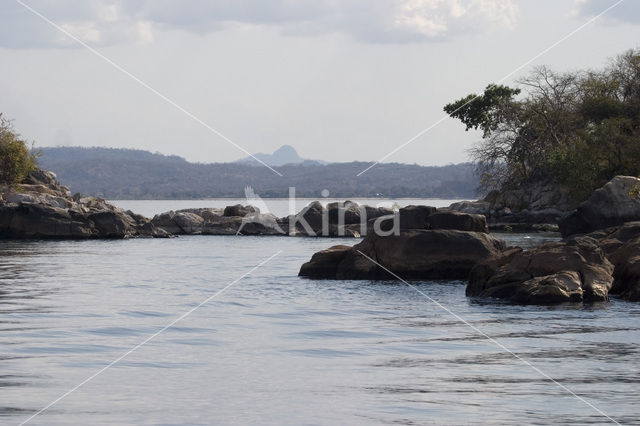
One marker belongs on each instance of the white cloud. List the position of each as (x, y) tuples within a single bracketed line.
[(375, 21), (437, 18)]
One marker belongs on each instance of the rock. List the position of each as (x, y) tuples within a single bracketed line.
[(45, 209), (261, 224), (324, 264), (457, 220), (537, 206), (207, 213), (347, 213), (240, 210), (111, 225), (189, 223), (615, 203), (572, 271), (42, 177), (473, 207), (415, 217), (414, 254), (165, 221), (376, 212), (223, 225), (313, 216), (626, 260)]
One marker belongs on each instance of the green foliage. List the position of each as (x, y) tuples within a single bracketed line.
[(576, 129), (482, 111), (16, 160)]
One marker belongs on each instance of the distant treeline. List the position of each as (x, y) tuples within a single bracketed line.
[(135, 174)]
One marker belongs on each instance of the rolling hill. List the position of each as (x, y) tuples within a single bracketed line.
[(135, 174)]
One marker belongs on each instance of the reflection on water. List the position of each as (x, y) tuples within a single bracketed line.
[(275, 348)]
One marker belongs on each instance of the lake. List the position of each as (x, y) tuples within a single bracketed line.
[(273, 348)]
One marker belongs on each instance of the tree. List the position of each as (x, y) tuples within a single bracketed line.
[(576, 129), (482, 111), (16, 160)]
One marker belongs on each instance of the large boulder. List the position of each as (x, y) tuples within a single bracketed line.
[(414, 254), (223, 225), (260, 224), (112, 225), (313, 216), (347, 213), (240, 210), (324, 264), (189, 223), (415, 217), (456, 220), (165, 222), (571, 271), (207, 213), (615, 203), (626, 260)]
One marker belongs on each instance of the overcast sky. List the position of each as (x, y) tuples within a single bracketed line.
[(339, 80)]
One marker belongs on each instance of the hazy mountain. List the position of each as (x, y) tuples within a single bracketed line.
[(286, 154), (134, 174)]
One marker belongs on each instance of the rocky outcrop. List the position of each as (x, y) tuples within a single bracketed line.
[(621, 245), (457, 220), (507, 219), (324, 264), (210, 221), (615, 203), (240, 210), (536, 206), (571, 271), (413, 254), (415, 217), (626, 260), (42, 208), (339, 219)]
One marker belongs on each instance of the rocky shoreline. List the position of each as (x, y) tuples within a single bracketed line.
[(583, 267), (42, 208), (599, 256)]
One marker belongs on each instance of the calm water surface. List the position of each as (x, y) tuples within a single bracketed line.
[(277, 349)]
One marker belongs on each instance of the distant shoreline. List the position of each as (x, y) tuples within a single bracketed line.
[(297, 198)]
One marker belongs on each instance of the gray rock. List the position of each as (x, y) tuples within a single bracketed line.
[(615, 203), (324, 264), (189, 223), (457, 220), (45, 209), (415, 217), (240, 210), (414, 254), (571, 271)]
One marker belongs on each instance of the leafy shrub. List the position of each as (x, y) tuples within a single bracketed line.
[(16, 160)]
